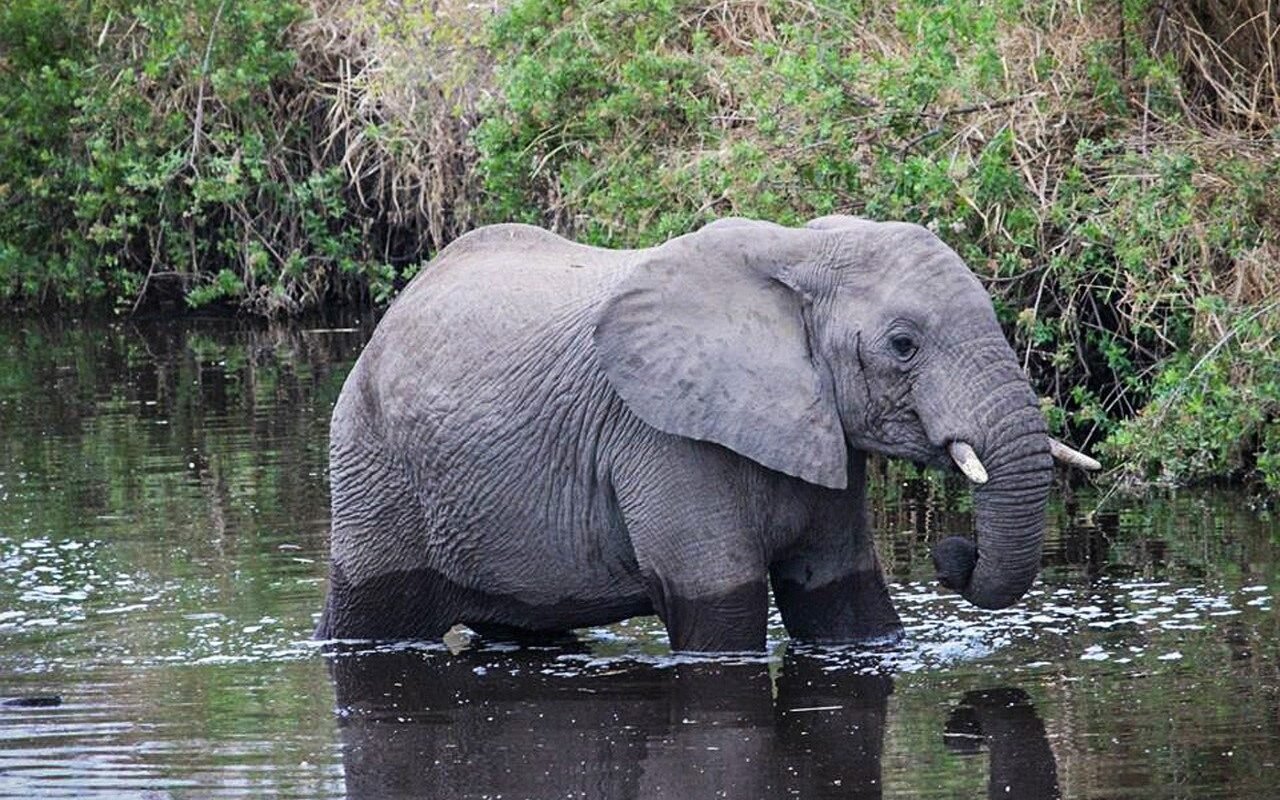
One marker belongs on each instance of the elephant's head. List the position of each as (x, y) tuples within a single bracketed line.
[(789, 346)]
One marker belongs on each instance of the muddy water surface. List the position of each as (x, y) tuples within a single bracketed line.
[(163, 509)]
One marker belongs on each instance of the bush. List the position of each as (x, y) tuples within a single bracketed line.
[(212, 151), (42, 71)]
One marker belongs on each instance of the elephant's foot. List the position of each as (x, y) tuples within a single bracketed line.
[(883, 635), (396, 606), (854, 609), (731, 621)]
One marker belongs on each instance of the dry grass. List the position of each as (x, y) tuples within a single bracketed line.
[(401, 84), (385, 92), (1228, 52), (393, 91)]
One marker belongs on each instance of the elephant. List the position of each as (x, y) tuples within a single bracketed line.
[(542, 435)]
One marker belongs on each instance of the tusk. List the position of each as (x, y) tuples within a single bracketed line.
[(967, 461), (1071, 457)]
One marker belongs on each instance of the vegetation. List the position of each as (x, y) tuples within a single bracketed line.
[(211, 150), (1110, 169)]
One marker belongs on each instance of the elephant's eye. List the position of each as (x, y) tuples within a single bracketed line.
[(903, 346)]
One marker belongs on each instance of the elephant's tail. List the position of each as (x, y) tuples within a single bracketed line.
[(324, 628)]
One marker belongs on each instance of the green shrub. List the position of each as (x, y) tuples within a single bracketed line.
[(42, 69), (187, 150)]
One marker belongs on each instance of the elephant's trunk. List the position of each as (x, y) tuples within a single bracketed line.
[(1009, 510)]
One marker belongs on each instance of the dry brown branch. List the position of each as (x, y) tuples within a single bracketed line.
[(1229, 55)]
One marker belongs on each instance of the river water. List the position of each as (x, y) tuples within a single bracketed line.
[(163, 510)]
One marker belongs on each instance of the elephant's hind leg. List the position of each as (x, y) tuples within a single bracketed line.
[(400, 605), (380, 583)]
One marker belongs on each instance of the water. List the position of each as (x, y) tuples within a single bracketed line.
[(162, 519)]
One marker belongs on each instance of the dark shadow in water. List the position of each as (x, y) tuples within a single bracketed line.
[(523, 724), (1005, 721)]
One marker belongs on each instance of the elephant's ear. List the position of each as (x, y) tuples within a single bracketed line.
[(705, 338)]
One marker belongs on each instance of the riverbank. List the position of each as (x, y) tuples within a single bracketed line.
[(1108, 169)]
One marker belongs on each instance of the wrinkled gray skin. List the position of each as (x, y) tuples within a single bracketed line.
[(542, 435)]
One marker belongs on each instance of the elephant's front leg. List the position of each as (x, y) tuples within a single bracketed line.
[(702, 563), (702, 619), (706, 582), (829, 586), (828, 598)]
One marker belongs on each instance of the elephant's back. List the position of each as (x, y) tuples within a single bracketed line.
[(489, 304), (503, 277)]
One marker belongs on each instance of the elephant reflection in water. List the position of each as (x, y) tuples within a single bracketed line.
[(517, 725), (1005, 720)]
